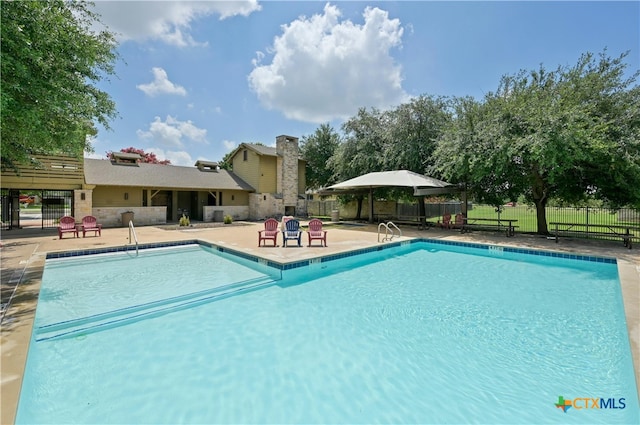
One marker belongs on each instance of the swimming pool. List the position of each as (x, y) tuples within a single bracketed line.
[(416, 333)]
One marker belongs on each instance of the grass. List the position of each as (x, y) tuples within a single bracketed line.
[(527, 220)]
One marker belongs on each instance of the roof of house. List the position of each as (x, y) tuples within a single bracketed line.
[(107, 173), (259, 149)]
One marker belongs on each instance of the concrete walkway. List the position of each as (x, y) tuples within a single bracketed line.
[(23, 256)]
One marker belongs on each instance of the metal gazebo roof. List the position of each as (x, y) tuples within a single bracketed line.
[(422, 185), (398, 178)]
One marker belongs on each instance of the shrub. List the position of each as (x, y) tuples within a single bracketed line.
[(228, 219), (184, 220)]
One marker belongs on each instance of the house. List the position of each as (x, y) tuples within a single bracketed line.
[(277, 174), (160, 193), (265, 182)]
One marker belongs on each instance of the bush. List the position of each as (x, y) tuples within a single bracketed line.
[(184, 220), (228, 219)]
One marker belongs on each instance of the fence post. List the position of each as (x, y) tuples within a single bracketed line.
[(587, 217)]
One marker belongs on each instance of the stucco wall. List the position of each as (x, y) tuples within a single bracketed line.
[(112, 196), (143, 216), (237, 212), (235, 198)]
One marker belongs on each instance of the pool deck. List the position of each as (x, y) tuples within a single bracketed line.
[(23, 255)]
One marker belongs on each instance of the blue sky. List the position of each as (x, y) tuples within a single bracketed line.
[(196, 79)]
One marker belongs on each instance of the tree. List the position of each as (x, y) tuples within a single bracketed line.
[(361, 150), (50, 61), (414, 129), (226, 163), (316, 150), (571, 134), (149, 158)]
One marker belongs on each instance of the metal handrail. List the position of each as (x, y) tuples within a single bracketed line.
[(391, 223), (132, 230), (387, 226), (386, 231)]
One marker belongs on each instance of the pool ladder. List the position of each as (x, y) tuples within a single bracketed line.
[(389, 232), (132, 231)]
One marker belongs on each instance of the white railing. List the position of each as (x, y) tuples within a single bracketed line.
[(132, 231), (389, 232)]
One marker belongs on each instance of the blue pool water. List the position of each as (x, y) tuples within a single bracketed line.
[(423, 333)]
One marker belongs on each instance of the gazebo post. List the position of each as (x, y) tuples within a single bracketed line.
[(370, 204)]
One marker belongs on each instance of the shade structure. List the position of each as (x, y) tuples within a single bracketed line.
[(398, 178), (422, 185)]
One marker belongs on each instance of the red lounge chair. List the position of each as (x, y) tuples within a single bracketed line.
[(315, 232), (67, 225), (446, 221), (90, 224), (459, 223), (291, 231), (270, 232)]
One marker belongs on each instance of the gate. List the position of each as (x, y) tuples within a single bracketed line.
[(55, 204), (5, 209)]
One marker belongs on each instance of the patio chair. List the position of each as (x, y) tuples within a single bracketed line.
[(446, 221), (315, 232), (291, 231), (270, 232), (459, 223), (90, 224), (67, 225)]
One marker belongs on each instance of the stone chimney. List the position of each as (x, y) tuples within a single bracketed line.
[(287, 174)]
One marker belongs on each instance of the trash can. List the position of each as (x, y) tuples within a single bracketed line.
[(218, 216), (126, 218), (335, 216)]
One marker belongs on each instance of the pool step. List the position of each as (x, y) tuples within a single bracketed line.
[(123, 316)]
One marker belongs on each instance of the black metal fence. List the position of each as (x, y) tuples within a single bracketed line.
[(525, 215), (55, 204), (527, 221)]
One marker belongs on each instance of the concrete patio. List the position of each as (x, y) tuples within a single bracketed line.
[(23, 256)]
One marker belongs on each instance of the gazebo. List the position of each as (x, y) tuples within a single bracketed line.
[(422, 185)]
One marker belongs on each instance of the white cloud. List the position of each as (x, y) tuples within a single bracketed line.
[(99, 148), (229, 144), (324, 69), (161, 85), (172, 132), (176, 157), (168, 21)]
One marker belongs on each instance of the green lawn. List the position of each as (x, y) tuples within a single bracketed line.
[(527, 221)]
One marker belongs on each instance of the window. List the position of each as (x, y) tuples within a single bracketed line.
[(244, 155)]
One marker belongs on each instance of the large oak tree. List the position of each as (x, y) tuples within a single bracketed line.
[(51, 59), (570, 134)]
